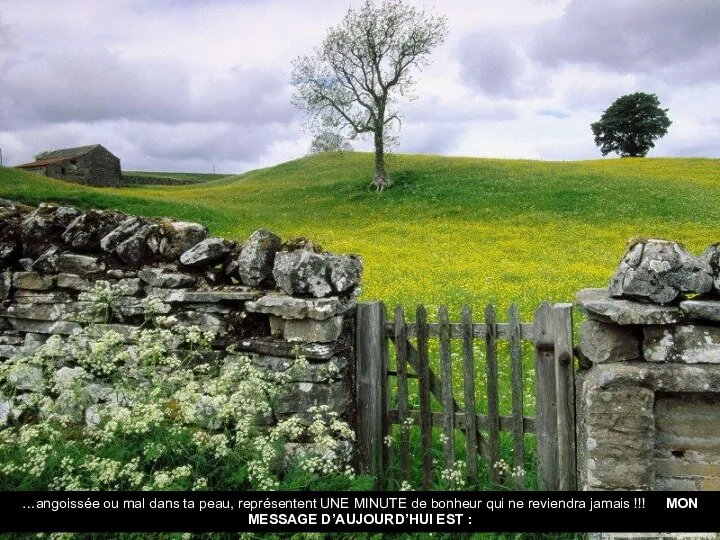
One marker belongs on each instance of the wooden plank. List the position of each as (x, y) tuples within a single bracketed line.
[(471, 433), (479, 330), (447, 386), (423, 371), (492, 394), (402, 378), (545, 401), (461, 420), (371, 391), (561, 330), (516, 377)]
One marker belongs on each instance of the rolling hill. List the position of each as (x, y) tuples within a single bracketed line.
[(450, 230)]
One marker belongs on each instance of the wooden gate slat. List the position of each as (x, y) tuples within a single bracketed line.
[(516, 374), (471, 433), (545, 403), (561, 330), (446, 377), (492, 394), (402, 382), (424, 376)]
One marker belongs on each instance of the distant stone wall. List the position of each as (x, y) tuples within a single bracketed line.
[(270, 299), (648, 396)]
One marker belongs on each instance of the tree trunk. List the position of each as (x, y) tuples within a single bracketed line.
[(380, 180)]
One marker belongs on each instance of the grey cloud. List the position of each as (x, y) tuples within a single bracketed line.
[(491, 65), (674, 40), (95, 86), (430, 138)]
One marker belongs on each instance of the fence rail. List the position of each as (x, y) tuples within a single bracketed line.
[(551, 335)]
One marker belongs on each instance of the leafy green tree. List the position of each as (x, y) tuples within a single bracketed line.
[(630, 125), (352, 81), (328, 141)]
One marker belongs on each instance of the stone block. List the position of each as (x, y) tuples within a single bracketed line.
[(705, 310), (8, 351), (45, 327), (160, 277), (690, 344), (45, 312), (74, 282), (599, 306), (277, 325), (5, 285), (289, 307), (298, 397), (256, 259), (33, 281), (24, 296), (279, 347), (602, 342), (312, 331)]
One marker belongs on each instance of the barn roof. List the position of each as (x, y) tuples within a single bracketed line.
[(59, 156)]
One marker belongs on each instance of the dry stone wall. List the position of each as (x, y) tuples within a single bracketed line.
[(648, 398), (273, 300)]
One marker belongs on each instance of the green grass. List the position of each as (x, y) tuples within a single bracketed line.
[(185, 177), (450, 230)]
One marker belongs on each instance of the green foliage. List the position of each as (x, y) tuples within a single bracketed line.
[(329, 142), (630, 125), (161, 414)]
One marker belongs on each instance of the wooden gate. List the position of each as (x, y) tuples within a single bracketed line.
[(553, 424)]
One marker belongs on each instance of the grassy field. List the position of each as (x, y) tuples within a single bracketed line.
[(190, 178), (450, 230)]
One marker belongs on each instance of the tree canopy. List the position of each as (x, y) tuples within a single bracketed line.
[(630, 125), (350, 84), (328, 141)]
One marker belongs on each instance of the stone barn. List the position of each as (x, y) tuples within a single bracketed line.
[(93, 165)]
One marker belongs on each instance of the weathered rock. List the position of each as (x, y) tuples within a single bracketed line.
[(73, 282), (128, 306), (711, 257), (44, 312), (38, 232), (26, 264), (5, 410), (345, 271), (5, 285), (278, 347), (230, 294), (33, 281), (160, 277), (130, 286), (9, 251), (122, 232), (45, 327), (602, 342), (8, 351), (33, 342), (257, 257), (206, 252), (116, 273), (206, 321), (302, 272), (706, 310), (133, 250), (53, 260), (600, 306), (64, 215), (690, 344), (181, 236), (300, 396), (289, 307), (23, 296), (67, 378), (660, 271), (26, 377), (309, 372), (312, 331), (86, 230)]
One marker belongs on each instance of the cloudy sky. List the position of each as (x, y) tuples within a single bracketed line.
[(182, 85)]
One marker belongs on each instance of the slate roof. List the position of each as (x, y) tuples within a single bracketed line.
[(59, 156)]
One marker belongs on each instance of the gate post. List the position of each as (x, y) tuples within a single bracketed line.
[(371, 389), (545, 401)]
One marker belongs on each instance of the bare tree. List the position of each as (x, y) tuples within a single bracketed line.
[(351, 83)]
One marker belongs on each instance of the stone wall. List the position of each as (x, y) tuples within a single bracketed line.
[(648, 396), (274, 300)]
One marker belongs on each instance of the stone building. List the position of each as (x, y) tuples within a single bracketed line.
[(93, 165)]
